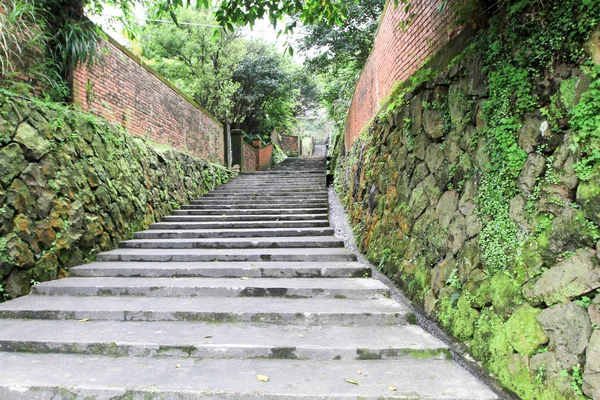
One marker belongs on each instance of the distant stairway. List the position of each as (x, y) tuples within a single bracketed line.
[(243, 294)]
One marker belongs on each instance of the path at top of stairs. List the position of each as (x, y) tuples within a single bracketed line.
[(246, 281)]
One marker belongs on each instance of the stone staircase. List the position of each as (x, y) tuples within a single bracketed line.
[(243, 294)]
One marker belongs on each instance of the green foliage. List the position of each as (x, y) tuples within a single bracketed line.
[(585, 120), (309, 12), (278, 154), (584, 302), (576, 375), (331, 49), (269, 92), (197, 63)]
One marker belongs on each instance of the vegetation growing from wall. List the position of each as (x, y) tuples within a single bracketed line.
[(478, 188), (72, 185)]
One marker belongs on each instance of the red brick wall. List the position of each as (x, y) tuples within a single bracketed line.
[(125, 91), (396, 54), (263, 157), (249, 162), (289, 144)]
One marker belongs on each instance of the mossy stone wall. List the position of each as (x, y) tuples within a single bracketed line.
[(489, 221), (72, 185)]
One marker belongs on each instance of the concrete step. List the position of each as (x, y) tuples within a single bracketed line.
[(282, 172), (266, 195), (263, 202), (189, 255), (349, 288), (254, 211), (236, 269), (235, 243), (224, 205), (70, 376), (205, 340), (231, 233), (272, 191), (240, 224), (261, 183), (256, 217), (209, 309)]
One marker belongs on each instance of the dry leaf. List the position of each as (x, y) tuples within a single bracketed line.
[(207, 336), (84, 320), (359, 372), (392, 388), (177, 365), (300, 335), (253, 265), (352, 381), (224, 215), (244, 278), (263, 378)]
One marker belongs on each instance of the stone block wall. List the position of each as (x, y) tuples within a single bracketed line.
[(124, 90), (518, 286), (72, 185), (396, 54)]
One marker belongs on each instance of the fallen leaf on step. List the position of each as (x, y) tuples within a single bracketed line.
[(84, 320), (263, 378), (277, 220), (244, 278), (392, 388), (253, 265), (352, 381), (207, 336), (177, 365), (224, 215), (300, 335), (359, 372)]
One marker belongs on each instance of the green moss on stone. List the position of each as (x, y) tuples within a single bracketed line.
[(524, 332)]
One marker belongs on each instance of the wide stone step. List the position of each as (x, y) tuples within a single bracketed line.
[(187, 255), (240, 224), (206, 340), (281, 172), (238, 269), (350, 288), (62, 376), (225, 205), (209, 309), (275, 195), (292, 183), (263, 202), (231, 233), (256, 217), (235, 243), (255, 211)]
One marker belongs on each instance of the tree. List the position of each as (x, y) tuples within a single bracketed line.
[(339, 53), (196, 61), (343, 46), (268, 93)]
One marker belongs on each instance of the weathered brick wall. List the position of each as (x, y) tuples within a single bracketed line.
[(396, 54), (263, 157), (249, 161), (124, 90), (289, 144)]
